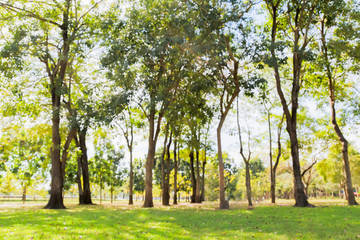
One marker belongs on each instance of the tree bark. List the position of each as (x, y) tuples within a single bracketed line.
[(339, 134), (85, 168), (248, 183), (57, 181), (198, 184), (223, 203), (291, 118), (131, 184), (24, 193), (175, 172), (166, 190), (79, 174), (193, 178), (203, 180)]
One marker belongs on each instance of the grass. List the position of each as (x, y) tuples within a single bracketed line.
[(185, 221)]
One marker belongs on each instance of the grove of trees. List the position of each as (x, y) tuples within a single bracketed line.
[(229, 99)]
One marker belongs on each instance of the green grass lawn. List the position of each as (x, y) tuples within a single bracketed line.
[(185, 221)]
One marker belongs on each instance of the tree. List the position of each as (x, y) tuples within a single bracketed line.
[(53, 51), (297, 16), (154, 48), (333, 75)]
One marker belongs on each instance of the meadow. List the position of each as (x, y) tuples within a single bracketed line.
[(331, 219)]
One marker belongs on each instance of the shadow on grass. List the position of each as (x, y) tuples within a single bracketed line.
[(121, 222)]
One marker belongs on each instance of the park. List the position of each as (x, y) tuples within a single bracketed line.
[(179, 119)]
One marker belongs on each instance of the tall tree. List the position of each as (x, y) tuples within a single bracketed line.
[(331, 62), (64, 18), (151, 42), (297, 16)]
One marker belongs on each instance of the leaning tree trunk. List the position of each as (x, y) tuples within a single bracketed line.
[(85, 168), (344, 142)]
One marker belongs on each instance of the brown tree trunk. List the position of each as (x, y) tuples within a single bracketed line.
[(131, 184), (203, 180), (193, 179), (153, 136), (57, 181), (111, 194), (248, 183), (223, 203), (85, 168), (291, 118), (166, 190), (100, 196), (56, 196), (175, 171), (79, 173), (198, 184), (344, 142), (24, 193)]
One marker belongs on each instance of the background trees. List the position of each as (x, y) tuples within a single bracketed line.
[(172, 71)]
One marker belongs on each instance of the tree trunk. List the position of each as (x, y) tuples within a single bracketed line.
[(291, 118), (248, 183), (153, 136), (332, 98), (272, 187), (111, 194), (198, 184), (164, 186), (203, 180), (56, 196), (57, 181), (166, 190), (193, 179), (78, 177), (175, 171), (131, 184), (24, 193), (85, 168), (100, 196), (223, 203)]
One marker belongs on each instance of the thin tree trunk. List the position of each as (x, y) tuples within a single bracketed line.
[(344, 142), (198, 184), (100, 196), (131, 185), (248, 184), (203, 180), (24, 193), (291, 118), (166, 191), (175, 171), (78, 176), (223, 203), (193, 178)]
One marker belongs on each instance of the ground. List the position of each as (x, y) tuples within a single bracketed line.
[(331, 219)]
